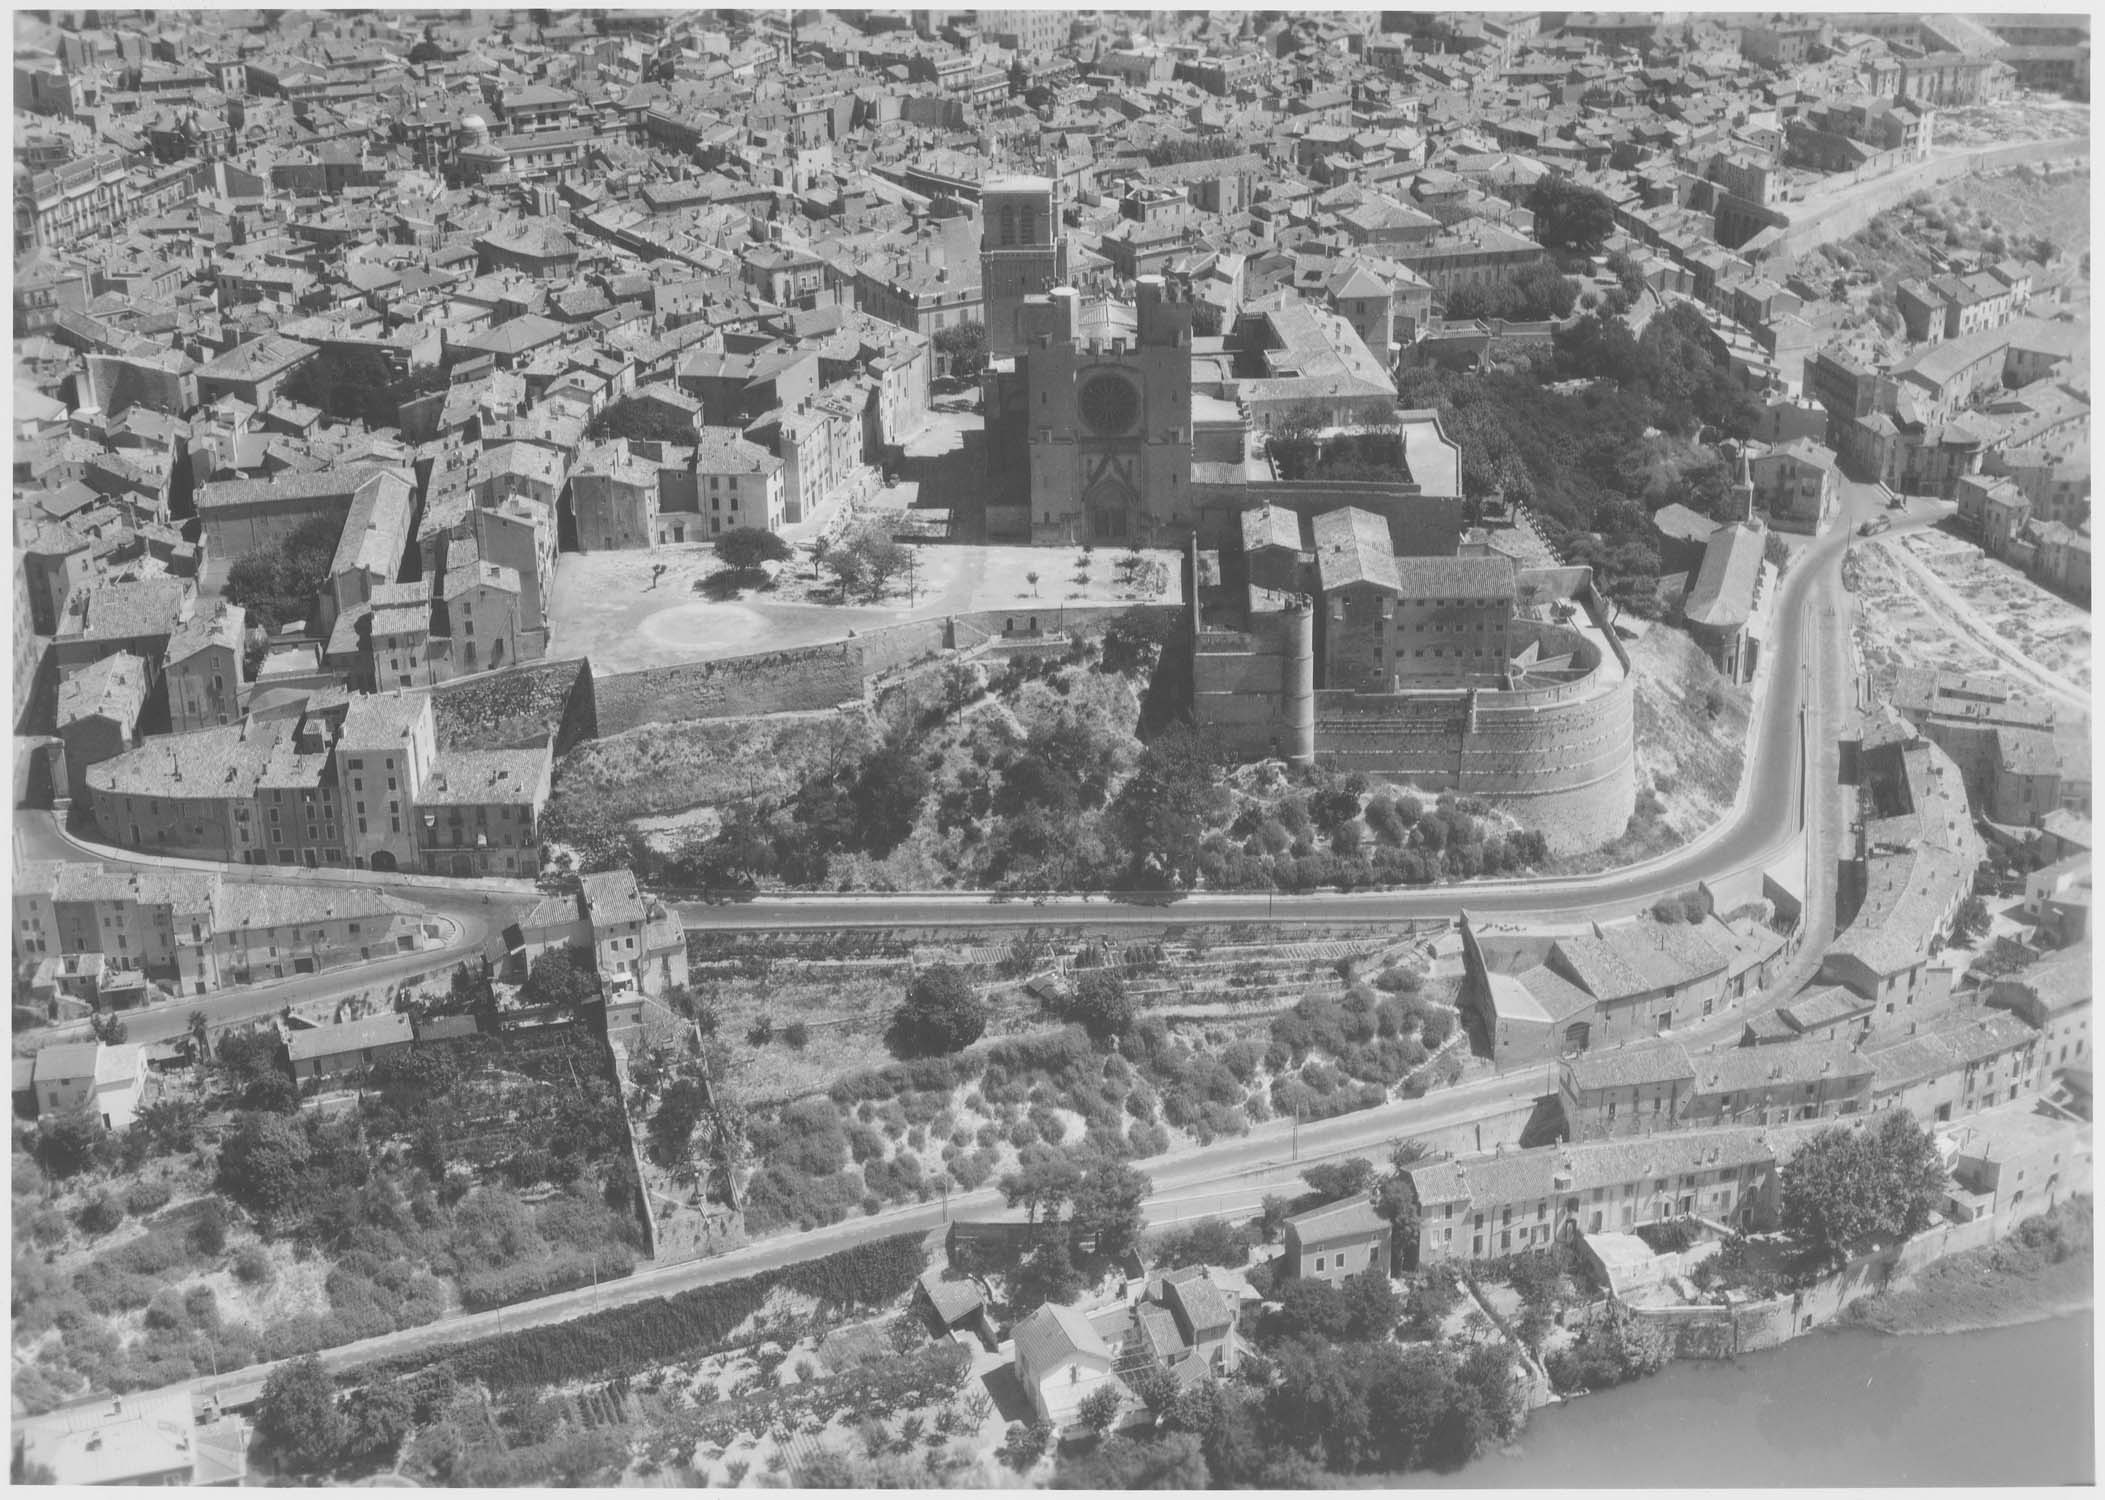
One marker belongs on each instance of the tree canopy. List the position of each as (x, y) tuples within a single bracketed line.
[(280, 584), (1568, 216), (745, 548), (1847, 1188), (564, 977), (965, 344), (939, 1015), (296, 1416)]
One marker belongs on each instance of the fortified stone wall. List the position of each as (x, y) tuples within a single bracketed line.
[(816, 677), (517, 708), (1558, 758)]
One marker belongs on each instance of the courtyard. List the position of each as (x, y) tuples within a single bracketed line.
[(632, 610)]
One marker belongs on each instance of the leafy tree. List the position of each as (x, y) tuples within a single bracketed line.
[(680, 1109), (1568, 216), (1108, 1204), (99, 1215), (1845, 1188), (472, 991), (1336, 1180), (1157, 1389), (1628, 274), (279, 584), (889, 790), (1046, 1275), (200, 1038), (1026, 1443), (1099, 1409), (1974, 920), (1372, 1308), (70, 1142), (1173, 1461), (376, 1418), (867, 559), (1161, 812), (108, 1027), (1209, 1242), (745, 548), (1101, 1005), (1044, 1181), (561, 977), (263, 1161), (297, 1419), (965, 346), (939, 1015), (1530, 294)]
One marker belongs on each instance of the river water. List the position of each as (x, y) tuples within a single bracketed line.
[(2007, 1406)]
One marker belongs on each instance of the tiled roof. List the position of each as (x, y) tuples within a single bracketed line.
[(1629, 1067), (1353, 546), (351, 1036), (1353, 1216), (1732, 1070), (1054, 1334), (1722, 597)]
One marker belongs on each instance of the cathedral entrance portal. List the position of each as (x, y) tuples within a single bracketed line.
[(1110, 504)]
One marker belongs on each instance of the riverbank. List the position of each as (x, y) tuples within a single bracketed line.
[(1839, 1407), (2040, 1270)]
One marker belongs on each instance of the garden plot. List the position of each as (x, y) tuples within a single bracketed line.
[(2046, 628)]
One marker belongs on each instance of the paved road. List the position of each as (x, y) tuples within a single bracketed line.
[(1810, 670), (472, 912), (1225, 1177)]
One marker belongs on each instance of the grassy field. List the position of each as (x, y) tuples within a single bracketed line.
[(2040, 1269)]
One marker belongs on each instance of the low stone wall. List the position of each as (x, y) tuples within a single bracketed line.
[(1727, 1332)]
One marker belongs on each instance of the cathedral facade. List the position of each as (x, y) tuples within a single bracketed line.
[(1101, 398)]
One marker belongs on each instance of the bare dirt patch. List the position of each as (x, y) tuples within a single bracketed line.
[(2046, 628), (1897, 627)]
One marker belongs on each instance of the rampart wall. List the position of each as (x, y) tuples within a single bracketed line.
[(814, 678), (775, 682)]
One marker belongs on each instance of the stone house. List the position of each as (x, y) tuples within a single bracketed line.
[(1062, 1360), (352, 1047), (108, 1081), (2053, 998), (1337, 1241)]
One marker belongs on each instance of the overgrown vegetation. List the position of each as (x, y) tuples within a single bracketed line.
[(280, 584), (1595, 464), (632, 1338)]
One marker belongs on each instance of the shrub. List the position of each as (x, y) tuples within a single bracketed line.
[(99, 1215), (252, 1265), (143, 1198), (939, 1015)]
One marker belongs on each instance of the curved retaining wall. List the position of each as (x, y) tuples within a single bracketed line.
[(1558, 758)]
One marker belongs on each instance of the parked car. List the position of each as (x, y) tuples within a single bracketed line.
[(1874, 526)]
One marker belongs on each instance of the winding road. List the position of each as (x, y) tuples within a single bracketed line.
[(474, 912), (1810, 671), (1810, 691)]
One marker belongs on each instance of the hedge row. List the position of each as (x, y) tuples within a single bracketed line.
[(689, 1325)]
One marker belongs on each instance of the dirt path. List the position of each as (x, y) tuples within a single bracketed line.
[(1969, 622)]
